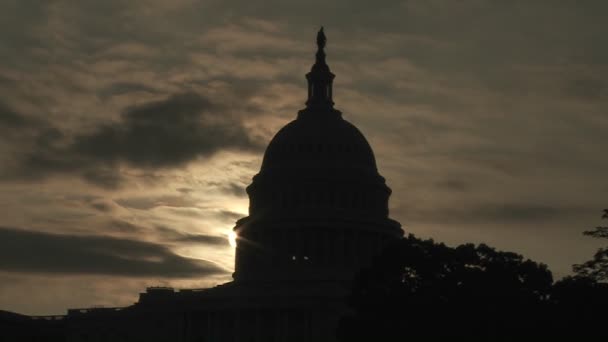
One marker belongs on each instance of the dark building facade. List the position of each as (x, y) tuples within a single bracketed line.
[(318, 213)]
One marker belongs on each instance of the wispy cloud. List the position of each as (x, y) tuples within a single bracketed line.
[(75, 254)]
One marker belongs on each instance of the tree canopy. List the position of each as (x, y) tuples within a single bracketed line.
[(596, 268), (422, 290)]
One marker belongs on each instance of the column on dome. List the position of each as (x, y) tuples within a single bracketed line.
[(283, 249), (340, 247), (348, 246), (318, 248), (355, 244)]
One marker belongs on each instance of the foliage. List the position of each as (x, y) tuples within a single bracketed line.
[(578, 309), (425, 290), (596, 268)]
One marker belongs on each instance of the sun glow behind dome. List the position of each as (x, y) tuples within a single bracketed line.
[(232, 239)]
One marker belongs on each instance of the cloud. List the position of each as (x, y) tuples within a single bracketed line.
[(122, 88), (493, 213), (230, 216), (37, 252), (160, 134), (587, 88), (103, 176), (125, 227), (15, 125), (177, 236), (451, 184), (95, 202), (519, 212), (150, 202), (205, 239), (10, 118), (234, 189), (163, 133)]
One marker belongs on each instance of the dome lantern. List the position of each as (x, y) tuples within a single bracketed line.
[(320, 78)]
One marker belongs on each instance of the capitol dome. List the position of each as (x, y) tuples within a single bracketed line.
[(324, 141), (318, 208)]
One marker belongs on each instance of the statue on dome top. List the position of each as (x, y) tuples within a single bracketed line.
[(321, 39)]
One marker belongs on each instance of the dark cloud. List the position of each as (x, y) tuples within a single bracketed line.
[(159, 134), (20, 135), (185, 191), (166, 133), (9, 117), (30, 251), (97, 203), (19, 128), (234, 189), (125, 227), (205, 239), (100, 175), (32, 143)]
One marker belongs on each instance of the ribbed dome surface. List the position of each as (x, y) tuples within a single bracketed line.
[(319, 140)]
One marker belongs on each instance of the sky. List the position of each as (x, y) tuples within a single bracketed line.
[(130, 129)]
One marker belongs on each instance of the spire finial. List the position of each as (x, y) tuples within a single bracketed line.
[(320, 78), (321, 39)]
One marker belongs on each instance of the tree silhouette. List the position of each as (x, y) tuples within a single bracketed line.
[(578, 308), (596, 268), (425, 290)]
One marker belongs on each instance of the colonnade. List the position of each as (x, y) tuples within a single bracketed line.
[(307, 248)]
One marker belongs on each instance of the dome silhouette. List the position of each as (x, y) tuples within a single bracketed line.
[(320, 142), (318, 208)]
